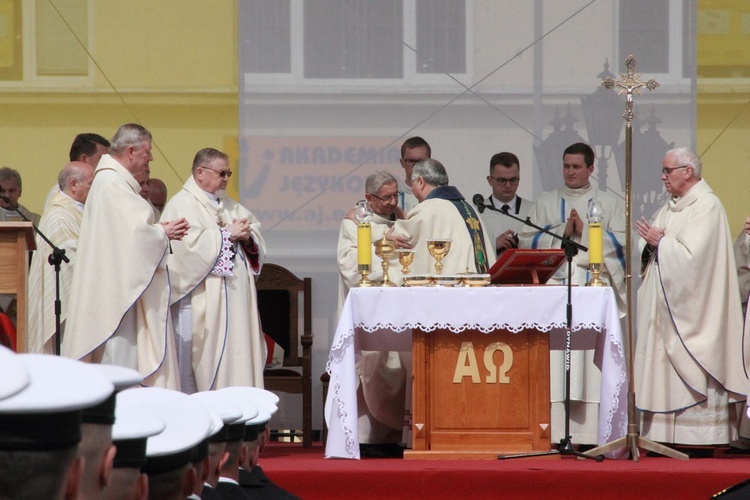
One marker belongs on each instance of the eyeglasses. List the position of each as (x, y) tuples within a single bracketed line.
[(667, 170), (224, 174), (411, 161), (504, 181), (387, 199)]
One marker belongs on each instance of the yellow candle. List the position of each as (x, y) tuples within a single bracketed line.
[(596, 253), (364, 244)]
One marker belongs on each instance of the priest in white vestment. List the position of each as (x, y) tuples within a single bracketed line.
[(504, 177), (119, 307), (443, 213), (565, 212), (382, 375), (61, 223), (213, 271), (690, 356)]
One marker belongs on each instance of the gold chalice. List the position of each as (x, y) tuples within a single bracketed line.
[(439, 248), (405, 258), (385, 248)]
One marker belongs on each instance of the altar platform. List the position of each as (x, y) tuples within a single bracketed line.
[(309, 475)]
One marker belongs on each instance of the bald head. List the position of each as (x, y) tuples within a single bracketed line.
[(157, 193), (75, 180)]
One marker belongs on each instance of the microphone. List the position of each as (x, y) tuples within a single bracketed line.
[(478, 200), (6, 199)]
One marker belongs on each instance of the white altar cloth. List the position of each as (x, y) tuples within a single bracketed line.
[(383, 319)]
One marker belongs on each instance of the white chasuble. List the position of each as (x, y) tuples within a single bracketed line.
[(690, 356), (437, 218), (61, 223), (228, 347), (120, 289)]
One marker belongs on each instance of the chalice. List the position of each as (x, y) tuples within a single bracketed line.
[(405, 258), (385, 248), (439, 248)]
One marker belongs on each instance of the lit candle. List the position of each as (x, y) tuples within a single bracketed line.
[(596, 252), (364, 244)]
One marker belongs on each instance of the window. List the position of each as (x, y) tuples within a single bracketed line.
[(40, 42), (316, 42), (661, 41)]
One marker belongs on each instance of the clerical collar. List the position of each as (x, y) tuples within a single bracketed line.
[(212, 197), (576, 191)]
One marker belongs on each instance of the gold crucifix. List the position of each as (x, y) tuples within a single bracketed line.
[(630, 83)]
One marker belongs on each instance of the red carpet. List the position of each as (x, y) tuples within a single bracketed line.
[(306, 473)]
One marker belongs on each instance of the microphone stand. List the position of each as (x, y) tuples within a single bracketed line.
[(55, 258), (571, 250)]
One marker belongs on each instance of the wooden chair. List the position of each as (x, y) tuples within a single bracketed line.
[(280, 294)]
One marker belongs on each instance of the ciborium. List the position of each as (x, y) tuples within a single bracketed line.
[(385, 248), (439, 248)]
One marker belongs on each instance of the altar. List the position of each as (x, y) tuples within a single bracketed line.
[(383, 319)]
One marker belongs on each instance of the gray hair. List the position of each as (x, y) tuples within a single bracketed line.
[(685, 157), (376, 180), (9, 173), (130, 134), (70, 171), (206, 156), (432, 171)]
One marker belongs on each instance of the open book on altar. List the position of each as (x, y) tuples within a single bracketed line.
[(521, 266)]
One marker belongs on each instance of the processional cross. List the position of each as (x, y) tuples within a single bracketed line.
[(630, 83)]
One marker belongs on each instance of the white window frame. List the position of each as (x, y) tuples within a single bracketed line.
[(30, 79), (674, 77), (295, 81)]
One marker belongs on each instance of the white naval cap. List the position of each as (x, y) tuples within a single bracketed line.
[(122, 378), (255, 426), (13, 373), (225, 414), (46, 415), (188, 424), (260, 399), (133, 426)]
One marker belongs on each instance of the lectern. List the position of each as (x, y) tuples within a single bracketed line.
[(16, 241), (477, 395)]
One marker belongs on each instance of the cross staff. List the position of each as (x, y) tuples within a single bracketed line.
[(631, 83)]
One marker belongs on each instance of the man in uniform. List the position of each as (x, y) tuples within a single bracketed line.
[(213, 272)]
